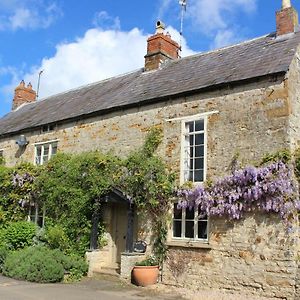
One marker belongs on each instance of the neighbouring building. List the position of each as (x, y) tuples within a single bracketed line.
[(243, 98)]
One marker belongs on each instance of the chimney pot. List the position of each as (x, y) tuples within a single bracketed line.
[(286, 4), (160, 27), (22, 83)]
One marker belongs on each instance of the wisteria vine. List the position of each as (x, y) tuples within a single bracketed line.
[(268, 189)]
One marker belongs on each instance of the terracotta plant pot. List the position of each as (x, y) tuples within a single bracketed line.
[(145, 275)]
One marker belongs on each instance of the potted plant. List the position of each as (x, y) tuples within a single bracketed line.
[(146, 272)]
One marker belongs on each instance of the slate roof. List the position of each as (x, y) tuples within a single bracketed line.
[(259, 57)]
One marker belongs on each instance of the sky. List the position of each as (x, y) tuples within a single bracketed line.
[(80, 42)]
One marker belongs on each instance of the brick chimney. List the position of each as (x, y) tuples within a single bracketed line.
[(286, 18), (23, 95), (160, 48)]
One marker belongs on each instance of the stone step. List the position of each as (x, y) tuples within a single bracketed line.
[(108, 270)]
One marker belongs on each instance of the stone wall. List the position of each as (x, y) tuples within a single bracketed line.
[(293, 85), (254, 255)]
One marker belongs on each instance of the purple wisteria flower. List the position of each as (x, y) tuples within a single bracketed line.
[(268, 189)]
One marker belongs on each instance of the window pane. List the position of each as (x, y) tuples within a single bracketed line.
[(198, 176), (199, 139), (199, 163), (46, 150), (177, 229), (199, 125), (189, 229), (191, 152), (177, 212), (199, 151), (191, 166), (189, 214), (191, 140), (38, 150), (191, 176), (54, 149), (202, 229), (190, 126)]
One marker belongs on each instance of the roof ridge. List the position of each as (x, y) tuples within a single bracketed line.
[(225, 47)]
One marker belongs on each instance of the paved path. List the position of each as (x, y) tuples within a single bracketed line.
[(88, 289)]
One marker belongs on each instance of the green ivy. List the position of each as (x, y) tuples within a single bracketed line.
[(150, 185)]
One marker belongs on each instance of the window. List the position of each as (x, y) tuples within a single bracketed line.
[(43, 152), (189, 224), (193, 151), (48, 128), (36, 215)]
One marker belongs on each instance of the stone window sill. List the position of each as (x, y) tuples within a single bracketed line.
[(189, 244)]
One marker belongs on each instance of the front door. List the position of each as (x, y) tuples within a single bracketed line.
[(119, 231)]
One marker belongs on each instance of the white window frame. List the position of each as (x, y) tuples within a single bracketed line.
[(183, 223), (42, 145), (183, 141)]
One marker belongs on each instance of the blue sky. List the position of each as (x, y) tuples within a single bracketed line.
[(80, 42)]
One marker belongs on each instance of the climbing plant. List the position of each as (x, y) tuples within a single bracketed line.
[(270, 189), (149, 185), (17, 191), (71, 187)]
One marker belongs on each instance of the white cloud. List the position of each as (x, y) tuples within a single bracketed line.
[(28, 14), (103, 20), (215, 14), (224, 37), (99, 54), (214, 18)]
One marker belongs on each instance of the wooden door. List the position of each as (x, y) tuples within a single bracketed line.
[(119, 231)]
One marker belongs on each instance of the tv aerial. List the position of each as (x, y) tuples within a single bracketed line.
[(183, 4)]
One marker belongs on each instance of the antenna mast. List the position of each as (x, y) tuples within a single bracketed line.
[(39, 81), (183, 4)]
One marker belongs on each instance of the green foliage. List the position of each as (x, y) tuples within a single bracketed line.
[(56, 238), (17, 191), (149, 261), (19, 235), (4, 250), (36, 264), (282, 155), (150, 185), (40, 264), (71, 186), (297, 164)]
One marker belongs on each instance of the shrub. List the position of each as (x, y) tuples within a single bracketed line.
[(56, 238), (4, 250), (20, 234), (36, 264), (40, 264)]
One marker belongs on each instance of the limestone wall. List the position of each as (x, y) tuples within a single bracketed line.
[(254, 255)]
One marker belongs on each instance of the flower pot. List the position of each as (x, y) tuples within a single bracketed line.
[(145, 275)]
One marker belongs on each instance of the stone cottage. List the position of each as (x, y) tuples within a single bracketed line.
[(243, 98)]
